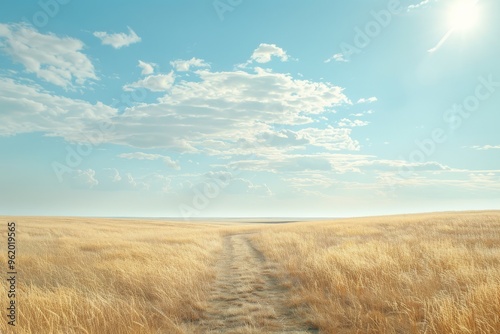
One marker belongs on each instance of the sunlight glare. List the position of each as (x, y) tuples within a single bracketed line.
[(464, 15)]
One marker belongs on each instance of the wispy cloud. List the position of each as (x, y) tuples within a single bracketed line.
[(484, 147), (147, 156), (185, 65), (84, 178), (154, 82), (57, 60), (218, 112), (367, 100), (345, 122), (227, 107), (147, 68), (418, 5), (118, 40), (337, 57), (265, 52), (28, 109)]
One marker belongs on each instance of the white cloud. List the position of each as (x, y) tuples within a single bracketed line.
[(265, 52), (225, 109), (345, 122), (399, 165), (330, 173), (217, 113), (311, 180), (242, 186), (460, 181), (112, 175), (331, 138), (276, 142), (282, 138), (334, 162), (222, 176), (484, 147), (147, 68), (118, 40), (110, 179), (28, 109), (154, 83), (232, 184), (367, 100), (57, 60), (84, 178), (478, 178), (337, 57), (147, 156), (185, 65), (418, 5), (158, 182)]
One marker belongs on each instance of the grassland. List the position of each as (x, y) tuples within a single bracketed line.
[(111, 276), (436, 273), (428, 273)]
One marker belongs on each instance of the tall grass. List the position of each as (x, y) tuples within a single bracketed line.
[(435, 273), (105, 276)]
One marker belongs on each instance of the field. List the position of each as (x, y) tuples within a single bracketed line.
[(426, 273)]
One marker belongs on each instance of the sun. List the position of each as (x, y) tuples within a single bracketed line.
[(464, 15)]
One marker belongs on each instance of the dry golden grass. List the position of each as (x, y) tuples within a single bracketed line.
[(431, 273), (111, 276), (435, 273)]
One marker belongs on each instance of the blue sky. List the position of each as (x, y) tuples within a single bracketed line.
[(249, 108)]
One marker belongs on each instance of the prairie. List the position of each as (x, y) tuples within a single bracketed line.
[(425, 273), (81, 275), (430, 273)]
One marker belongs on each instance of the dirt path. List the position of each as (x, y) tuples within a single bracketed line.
[(245, 298)]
